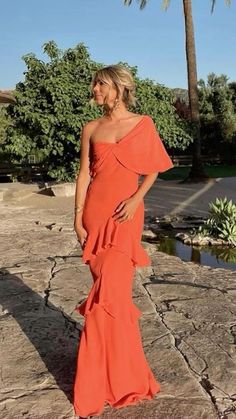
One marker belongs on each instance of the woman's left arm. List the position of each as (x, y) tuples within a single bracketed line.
[(126, 209), (145, 186)]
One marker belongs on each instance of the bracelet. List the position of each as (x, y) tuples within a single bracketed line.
[(78, 208)]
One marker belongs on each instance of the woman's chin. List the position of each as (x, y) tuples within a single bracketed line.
[(99, 102)]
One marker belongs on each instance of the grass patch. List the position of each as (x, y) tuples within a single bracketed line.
[(181, 172)]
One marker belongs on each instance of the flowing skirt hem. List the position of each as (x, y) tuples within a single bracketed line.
[(124, 402)]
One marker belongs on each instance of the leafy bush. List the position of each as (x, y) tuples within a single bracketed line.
[(158, 101), (52, 105), (218, 117), (4, 123), (222, 221)]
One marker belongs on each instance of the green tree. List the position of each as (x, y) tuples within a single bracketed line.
[(232, 86), (218, 118), (158, 101), (197, 167), (52, 105), (4, 123)]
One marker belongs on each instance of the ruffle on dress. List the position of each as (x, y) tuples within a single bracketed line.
[(113, 233), (112, 288), (129, 313)]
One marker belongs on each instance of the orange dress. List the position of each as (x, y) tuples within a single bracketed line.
[(111, 364)]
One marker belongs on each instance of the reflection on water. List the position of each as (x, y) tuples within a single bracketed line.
[(216, 257)]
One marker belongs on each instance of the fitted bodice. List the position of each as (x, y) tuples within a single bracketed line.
[(115, 169)]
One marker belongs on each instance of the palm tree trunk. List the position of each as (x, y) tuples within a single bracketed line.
[(196, 172)]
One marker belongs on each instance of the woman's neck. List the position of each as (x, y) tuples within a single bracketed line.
[(116, 114)]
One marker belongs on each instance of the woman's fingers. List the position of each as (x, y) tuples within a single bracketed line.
[(122, 213), (124, 217), (82, 240), (120, 206)]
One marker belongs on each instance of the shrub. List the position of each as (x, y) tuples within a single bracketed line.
[(222, 221)]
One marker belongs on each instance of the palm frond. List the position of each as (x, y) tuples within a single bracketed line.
[(213, 2), (165, 4), (142, 3), (127, 2)]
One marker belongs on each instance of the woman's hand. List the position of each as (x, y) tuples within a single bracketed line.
[(126, 209), (81, 233)]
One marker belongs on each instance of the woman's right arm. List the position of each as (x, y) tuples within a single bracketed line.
[(82, 181)]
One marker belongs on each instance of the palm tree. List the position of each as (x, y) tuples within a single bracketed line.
[(196, 172)]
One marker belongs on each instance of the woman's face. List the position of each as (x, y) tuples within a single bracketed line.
[(104, 92)]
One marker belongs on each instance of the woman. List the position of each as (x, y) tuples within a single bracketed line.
[(109, 216)]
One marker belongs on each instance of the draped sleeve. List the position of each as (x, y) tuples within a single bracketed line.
[(143, 151)]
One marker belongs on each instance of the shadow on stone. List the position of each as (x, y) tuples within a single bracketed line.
[(54, 335), (155, 280)]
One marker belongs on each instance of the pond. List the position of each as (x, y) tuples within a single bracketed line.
[(216, 257)]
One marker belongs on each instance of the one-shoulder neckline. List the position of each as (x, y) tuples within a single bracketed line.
[(124, 136)]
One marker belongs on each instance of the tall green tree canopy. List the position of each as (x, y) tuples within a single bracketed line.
[(52, 105), (218, 117), (4, 123)]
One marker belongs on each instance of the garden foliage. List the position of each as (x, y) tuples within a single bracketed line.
[(52, 105), (222, 221), (218, 118)]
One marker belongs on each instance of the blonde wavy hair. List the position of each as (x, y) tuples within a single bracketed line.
[(120, 76)]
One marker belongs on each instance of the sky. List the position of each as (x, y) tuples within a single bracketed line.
[(151, 39)]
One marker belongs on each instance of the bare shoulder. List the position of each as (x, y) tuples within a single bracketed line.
[(90, 126), (88, 130)]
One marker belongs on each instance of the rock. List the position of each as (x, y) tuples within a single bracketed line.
[(148, 233), (64, 189), (182, 236), (198, 240), (180, 225), (188, 241)]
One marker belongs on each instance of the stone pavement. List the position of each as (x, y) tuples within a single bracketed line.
[(164, 198), (177, 198), (188, 324)]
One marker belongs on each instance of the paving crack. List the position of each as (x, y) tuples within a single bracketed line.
[(198, 329), (203, 380), (155, 340), (68, 320), (197, 354), (226, 412), (53, 273), (178, 340), (233, 332)]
